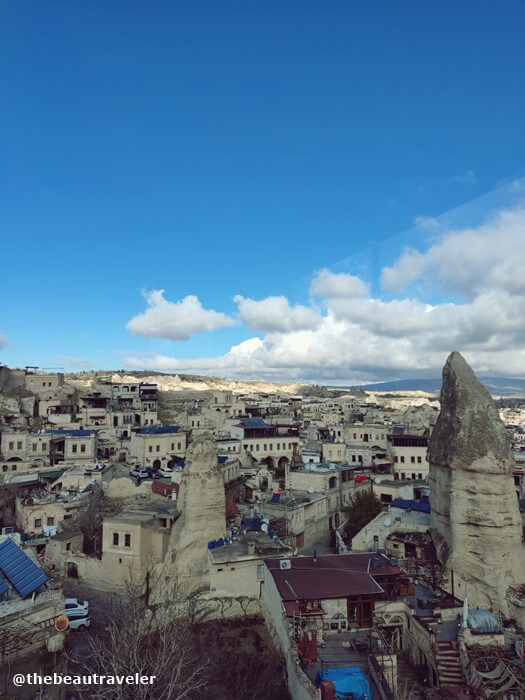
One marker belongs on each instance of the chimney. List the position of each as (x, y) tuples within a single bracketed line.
[(315, 557), (251, 548)]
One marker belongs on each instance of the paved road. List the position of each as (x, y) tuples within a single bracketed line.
[(100, 605)]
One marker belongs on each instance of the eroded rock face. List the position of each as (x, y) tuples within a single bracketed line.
[(202, 519), (475, 520)]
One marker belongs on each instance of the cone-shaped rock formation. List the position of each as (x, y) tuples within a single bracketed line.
[(475, 520)]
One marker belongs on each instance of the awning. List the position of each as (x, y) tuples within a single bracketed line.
[(51, 474)]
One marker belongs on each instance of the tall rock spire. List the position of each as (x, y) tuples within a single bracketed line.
[(475, 519)]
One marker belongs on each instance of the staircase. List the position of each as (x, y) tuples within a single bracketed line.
[(448, 665)]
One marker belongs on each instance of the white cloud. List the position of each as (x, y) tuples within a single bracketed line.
[(331, 285), (469, 261), (480, 311), (427, 222), (176, 320), (3, 341), (75, 362), (275, 315)]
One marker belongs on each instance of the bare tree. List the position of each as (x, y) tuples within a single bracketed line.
[(148, 640), (90, 517)]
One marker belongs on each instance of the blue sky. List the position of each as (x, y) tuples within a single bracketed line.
[(234, 149)]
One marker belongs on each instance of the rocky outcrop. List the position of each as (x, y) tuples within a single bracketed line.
[(420, 420), (475, 519), (202, 518)]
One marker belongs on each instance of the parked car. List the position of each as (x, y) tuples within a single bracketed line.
[(74, 606), (139, 473), (166, 471), (154, 473), (79, 622)]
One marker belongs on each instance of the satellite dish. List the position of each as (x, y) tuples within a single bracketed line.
[(377, 480), (311, 489), (387, 522), (264, 527)]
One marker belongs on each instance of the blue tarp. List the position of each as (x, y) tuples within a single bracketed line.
[(347, 680), (421, 506), (482, 622)]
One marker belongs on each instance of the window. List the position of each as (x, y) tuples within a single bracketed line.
[(403, 475), (50, 520), (163, 522), (19, 445), (270, 447), (13, 468), (419, 460), (178, 445), (127, 540), (353, 458), (68, 516), (396, 459), (402, 460), (257, 448), (420, 476), (43, 447), (4, 467), (115, 539), (172, 445), (82, 448), (264, 448), (150, 448), (11, 445), (38, 522), (74, 448), (413, 460), (68, 546), (158, 448), (413, 475)]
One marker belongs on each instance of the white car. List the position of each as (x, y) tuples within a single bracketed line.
[(79, 622), (73, 606), (166, 471)]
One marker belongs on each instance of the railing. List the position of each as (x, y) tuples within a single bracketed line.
[(379, 678)]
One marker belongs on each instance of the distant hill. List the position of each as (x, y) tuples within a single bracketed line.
[(497, 386)]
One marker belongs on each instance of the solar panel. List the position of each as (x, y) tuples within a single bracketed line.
[(23, 573)]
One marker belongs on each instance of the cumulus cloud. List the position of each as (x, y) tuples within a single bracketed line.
[(342, 285), (480, 311), (275, 315), (176, 320), (468, 262)]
